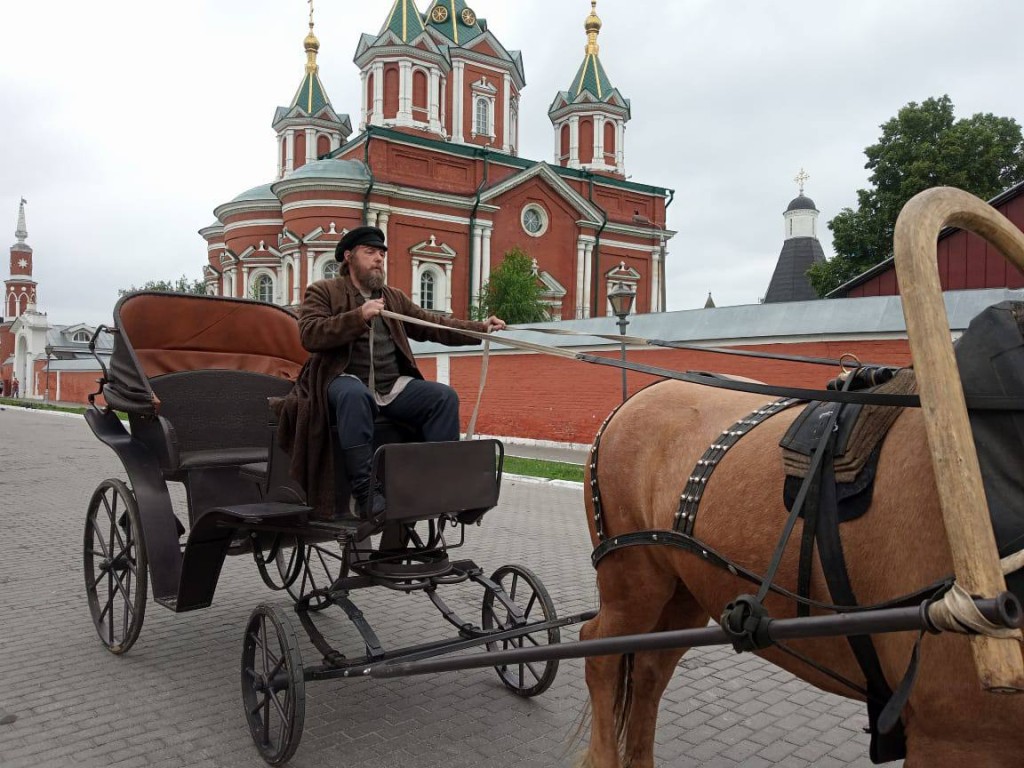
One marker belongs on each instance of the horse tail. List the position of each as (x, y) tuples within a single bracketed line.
[(623, 700), (621, 707)]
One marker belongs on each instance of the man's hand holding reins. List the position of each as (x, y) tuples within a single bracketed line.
[(371, 308)]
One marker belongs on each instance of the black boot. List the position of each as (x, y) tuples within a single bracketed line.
[(357, 464)]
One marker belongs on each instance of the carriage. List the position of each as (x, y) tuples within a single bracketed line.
[(196, 377)]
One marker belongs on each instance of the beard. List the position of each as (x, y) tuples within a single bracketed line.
[(369, 278)]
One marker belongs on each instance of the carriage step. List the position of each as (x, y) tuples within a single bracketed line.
[(264, 510)]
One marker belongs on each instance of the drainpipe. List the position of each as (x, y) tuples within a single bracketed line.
[(369, 170), (664, 271), (594, 278), (480, 152)]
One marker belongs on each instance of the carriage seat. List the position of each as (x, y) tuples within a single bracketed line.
[(209, 418)]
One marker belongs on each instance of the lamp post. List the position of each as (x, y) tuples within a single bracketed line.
[(638, 218), (49, 354), (621, 299)]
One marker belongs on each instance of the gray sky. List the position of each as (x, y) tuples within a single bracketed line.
[(124, 124)]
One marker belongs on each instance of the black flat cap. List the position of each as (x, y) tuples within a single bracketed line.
[(359, 236)]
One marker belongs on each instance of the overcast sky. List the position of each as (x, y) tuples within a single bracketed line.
[(125, 124)]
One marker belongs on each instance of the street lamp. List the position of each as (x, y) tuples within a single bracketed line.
[(621, 299), (49, 353), (638, 218)]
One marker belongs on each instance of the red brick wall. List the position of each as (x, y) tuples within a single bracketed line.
[(548, 398)]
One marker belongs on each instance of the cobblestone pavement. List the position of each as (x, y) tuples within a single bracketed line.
[(173, 699)]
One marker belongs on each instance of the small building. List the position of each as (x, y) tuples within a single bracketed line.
[(965, 260), (49, 362)]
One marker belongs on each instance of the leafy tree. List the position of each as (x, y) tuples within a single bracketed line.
[(181, 285), (513, 291), (923, 146)]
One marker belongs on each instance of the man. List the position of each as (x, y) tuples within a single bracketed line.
[(14, 387), (361, 365)]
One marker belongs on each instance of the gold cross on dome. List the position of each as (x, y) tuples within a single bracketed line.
[(800, 179), (310, 12)]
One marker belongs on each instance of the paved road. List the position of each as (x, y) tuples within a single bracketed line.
[(173, 700)]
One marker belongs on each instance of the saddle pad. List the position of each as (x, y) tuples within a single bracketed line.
[(861, 429)]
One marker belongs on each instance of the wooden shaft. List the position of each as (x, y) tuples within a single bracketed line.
[(999, 663)]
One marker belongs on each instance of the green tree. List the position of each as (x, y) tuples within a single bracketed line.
[(923, 146), (181, 285), (513, 291)]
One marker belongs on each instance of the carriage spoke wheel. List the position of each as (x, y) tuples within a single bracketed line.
[(116, 569), (307, 567), (528, 594), (273, 686)]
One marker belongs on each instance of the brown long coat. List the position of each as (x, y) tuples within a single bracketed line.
[(330, 319)]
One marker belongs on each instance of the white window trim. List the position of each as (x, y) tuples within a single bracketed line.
[(320, 261), (254, 277), (442, 294), (545, 220)]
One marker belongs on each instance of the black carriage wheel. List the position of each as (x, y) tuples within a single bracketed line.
[(528, 594), (273, 686), (312, 566), (116, 568)]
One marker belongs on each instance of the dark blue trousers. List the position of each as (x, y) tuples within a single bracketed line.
[(431, 407)]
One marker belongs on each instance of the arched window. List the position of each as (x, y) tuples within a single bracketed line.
[(80, 336), (331, 270), (482, 121), (264, 289), (427, 291)]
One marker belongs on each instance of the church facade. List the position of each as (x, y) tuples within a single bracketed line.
[(435, 163)]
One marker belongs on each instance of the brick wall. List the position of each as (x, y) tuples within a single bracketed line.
[(549, 398)]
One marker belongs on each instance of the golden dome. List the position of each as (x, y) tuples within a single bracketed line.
[(593, 22), (311, 43)]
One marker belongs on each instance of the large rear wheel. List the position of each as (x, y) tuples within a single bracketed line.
[(533, 604), (273, 686), (116, 575)]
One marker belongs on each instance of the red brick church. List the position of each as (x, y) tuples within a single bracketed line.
[(435, 163)]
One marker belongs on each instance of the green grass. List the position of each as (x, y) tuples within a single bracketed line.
[(22, 402), (552, 470)]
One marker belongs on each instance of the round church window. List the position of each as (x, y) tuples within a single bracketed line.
[(535, 220)]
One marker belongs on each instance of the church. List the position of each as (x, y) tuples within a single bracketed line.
[(434, 162)]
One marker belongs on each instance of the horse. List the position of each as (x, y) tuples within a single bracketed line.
[(647, 451)]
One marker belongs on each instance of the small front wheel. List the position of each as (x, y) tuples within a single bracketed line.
[(273, 686), (116, 568), (531, 601)]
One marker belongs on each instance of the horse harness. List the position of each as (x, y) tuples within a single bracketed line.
[(816, 500)]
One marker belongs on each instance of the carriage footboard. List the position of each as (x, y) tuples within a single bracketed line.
[(208, 543)]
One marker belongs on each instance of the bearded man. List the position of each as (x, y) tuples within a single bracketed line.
[(361, 365)]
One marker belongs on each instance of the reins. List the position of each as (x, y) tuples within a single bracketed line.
[(974, 402)]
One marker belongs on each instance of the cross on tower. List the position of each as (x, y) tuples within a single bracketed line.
[(800, 177), (310, 12)]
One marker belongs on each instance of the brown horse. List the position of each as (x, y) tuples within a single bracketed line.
[(647, 451)]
